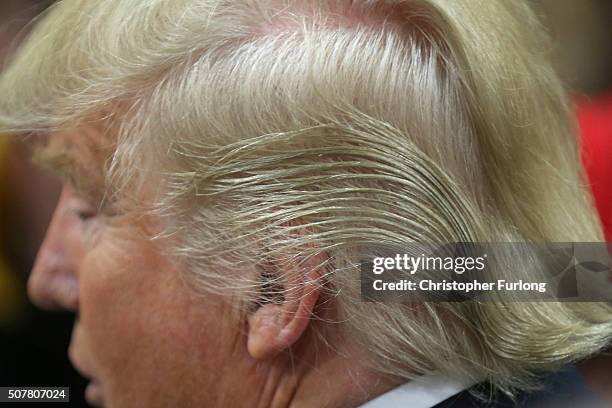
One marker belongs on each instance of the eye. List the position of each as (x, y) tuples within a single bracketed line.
[(81, 209), (84, 214)]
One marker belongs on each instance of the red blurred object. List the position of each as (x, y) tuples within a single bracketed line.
[(595, 120)]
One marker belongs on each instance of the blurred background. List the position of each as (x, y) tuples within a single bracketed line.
[(33, 343)]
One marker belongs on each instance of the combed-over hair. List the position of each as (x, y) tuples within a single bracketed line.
[(318, 127)]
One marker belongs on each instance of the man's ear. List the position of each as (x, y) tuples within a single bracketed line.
[(277, 324)]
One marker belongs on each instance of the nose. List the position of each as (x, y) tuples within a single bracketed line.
[(53, 283)]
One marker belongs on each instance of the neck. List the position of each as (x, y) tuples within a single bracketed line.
[(330, 379)]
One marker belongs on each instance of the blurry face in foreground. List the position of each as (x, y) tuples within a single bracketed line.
[(142, 335)]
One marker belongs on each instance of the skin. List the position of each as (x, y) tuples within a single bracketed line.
[(147, 338)]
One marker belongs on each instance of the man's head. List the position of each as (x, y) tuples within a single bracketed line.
[(229, 163), (144, 334)]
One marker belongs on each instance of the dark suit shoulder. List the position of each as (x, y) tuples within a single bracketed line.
[(563, 389)]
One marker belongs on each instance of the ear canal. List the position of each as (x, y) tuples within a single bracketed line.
[(270, 290)]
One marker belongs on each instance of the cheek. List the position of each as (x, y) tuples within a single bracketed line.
[(148, 334)]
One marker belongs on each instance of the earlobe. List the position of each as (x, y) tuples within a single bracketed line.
[(275, 327), (264, 332)]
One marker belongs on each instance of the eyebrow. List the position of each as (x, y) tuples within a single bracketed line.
[(64, 162)]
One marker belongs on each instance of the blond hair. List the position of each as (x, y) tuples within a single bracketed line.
[(324, 127)]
